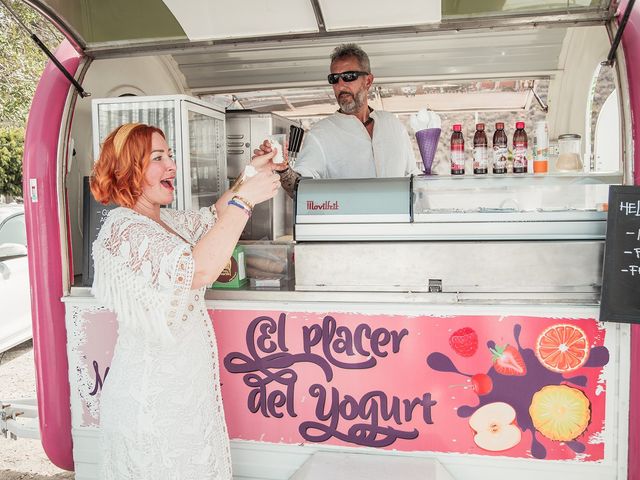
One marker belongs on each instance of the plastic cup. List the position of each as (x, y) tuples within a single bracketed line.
[(428, 143)]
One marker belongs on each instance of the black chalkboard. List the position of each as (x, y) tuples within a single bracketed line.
[(94, 214), (620, 301)]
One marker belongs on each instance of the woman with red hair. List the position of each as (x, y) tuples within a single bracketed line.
[(161, 414)]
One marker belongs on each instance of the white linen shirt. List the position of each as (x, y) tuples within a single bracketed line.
[(339, 146)]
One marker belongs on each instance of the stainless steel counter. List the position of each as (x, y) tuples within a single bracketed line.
[(83, 294)]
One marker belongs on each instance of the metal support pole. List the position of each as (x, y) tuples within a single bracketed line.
[(616, 41), (47, 52)]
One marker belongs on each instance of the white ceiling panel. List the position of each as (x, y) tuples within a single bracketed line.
[(360, 14), (451, 55), (207, 20)]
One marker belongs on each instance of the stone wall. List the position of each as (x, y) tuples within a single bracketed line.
[(468, 121), (604, 85)]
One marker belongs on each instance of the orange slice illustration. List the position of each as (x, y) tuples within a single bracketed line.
[(562, 348)]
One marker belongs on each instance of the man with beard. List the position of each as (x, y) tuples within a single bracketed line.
[(354, 142)]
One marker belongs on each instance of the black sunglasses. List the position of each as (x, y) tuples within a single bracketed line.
[(345, 76)]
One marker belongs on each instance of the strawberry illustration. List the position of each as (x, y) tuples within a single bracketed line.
[(508, 361), (464, 341)]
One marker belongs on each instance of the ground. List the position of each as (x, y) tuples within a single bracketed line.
[(23, 459)]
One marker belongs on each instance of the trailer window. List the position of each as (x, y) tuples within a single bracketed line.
[(468, 102), (603, 122)]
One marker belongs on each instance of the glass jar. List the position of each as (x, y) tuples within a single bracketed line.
[(569, 157)]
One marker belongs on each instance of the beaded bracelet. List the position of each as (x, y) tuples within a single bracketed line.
[(240, 205), (243, 200)]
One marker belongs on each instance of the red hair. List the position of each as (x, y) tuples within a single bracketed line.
[(118, 175)]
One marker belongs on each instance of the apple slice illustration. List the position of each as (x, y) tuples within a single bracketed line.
[(493, 424)]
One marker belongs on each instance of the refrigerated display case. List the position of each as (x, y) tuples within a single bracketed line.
[(532, 207), (194, 130), (528, 237)]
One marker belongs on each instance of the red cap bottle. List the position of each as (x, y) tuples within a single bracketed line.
[(480, 151), (500, 149), (457, 151), (520, 145)]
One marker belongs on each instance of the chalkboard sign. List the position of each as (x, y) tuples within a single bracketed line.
[(620, 300), (94, 215)]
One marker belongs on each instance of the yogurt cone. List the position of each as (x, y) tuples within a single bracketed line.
[(428, 143)]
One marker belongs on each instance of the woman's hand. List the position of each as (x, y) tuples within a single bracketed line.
[(261, 187), (263, 158)]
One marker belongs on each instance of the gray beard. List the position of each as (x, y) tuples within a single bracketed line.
[(351, 104)]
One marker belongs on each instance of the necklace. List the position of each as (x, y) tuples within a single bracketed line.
[(367, 121)]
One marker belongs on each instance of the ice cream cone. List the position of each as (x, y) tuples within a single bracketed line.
[(428, 143)]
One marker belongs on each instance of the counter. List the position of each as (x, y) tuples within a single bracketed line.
[(381, 373)]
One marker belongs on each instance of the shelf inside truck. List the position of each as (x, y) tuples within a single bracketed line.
[(546, 198)]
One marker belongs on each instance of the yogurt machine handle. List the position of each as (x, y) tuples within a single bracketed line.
[(295, 141)]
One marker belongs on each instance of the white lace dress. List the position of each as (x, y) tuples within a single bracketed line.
[(161, 414)]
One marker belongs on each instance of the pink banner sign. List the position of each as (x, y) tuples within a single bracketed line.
[(516, 386)]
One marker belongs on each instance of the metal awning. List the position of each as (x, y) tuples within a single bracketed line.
[(257, 49), (117, 27)]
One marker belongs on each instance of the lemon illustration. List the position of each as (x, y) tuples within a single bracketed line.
[(560, 412)]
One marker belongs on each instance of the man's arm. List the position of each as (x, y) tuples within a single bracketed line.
[(289, 178), (307, 162), (263, 158)]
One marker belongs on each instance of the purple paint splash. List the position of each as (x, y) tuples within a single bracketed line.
[(518, 391)]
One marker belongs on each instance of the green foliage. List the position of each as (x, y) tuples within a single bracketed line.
[(11, 151), (21, 61)]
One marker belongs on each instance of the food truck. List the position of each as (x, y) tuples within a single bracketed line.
[(433, 326)]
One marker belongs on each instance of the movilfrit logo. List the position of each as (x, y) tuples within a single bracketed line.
[(326, 205)]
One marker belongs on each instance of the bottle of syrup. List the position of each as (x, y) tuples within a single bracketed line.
[(500, 150), (457, 151), (480, 151), (520, 145)]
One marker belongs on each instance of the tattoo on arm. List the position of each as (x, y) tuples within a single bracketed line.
[(289, 179)]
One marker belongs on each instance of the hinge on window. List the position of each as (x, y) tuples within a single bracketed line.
[(435, 285)]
